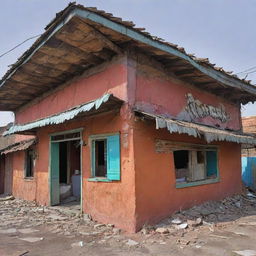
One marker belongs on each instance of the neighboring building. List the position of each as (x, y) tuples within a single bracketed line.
[(145, 127), (9, 145), (249, 154)]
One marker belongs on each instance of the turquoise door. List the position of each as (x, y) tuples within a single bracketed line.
[(55, 174)]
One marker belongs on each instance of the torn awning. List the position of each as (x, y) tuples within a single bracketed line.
[(103, 104), (22, 145), (199, 131)]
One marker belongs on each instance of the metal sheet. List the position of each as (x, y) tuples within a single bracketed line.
[(23, 145), (210, 134), (61, 117)]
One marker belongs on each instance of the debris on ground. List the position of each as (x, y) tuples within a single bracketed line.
[(6, 198), (246, 253), (186, 228)]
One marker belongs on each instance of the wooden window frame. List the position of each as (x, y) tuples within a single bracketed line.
[(166, 146), (92, 140)]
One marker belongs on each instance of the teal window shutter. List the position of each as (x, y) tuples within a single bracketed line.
[(212, 163), (113, 157)]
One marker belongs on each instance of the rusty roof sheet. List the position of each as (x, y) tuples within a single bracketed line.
[(22, 145), (210, 134), (105, 103)]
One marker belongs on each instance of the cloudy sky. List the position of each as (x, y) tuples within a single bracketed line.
[(222, 30)]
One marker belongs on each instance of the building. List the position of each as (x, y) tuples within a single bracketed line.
[(249, 154), (9, 145), (133, 126)]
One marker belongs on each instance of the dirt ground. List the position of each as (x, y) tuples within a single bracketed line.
[(224, 227)]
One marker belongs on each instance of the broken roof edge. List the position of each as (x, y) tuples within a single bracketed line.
[(116, 24), (18, 146), (63, 116), (208, 133)]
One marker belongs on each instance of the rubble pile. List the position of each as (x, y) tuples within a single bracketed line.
[(183, 228)]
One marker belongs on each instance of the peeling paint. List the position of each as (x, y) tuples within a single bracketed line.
[(197, 109)]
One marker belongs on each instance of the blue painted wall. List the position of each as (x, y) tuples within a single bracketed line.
[(249, 171)]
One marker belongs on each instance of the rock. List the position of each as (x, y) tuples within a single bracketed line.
[(191, 223), (116, 231), (27, 230), (8, 231), (246, 253), (110, 225), (183, 241), (144, 231), (32, 239), (78, 244), (99, 226), (238, 204), (7, 198), (87, 217), (182, 226), (176, 221), (194, 223), (199, 221), (131, 243), (162, 230)]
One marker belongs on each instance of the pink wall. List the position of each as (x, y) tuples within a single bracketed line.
[(107, 202), (112, 79), (156, 194), (158, 95), (22, 188), (131, 202)]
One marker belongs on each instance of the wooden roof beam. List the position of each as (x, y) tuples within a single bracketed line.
[(102, 37), (33, 85), (184, 72)]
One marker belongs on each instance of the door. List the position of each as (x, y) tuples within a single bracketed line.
[(55, 174)]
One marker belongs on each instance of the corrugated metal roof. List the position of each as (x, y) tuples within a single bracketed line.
[(23, 145), (64, 116), (210, 134)]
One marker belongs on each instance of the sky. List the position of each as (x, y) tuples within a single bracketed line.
[(221, 30)]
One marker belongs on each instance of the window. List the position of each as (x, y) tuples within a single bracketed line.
[(29, 163), (195, 165), (101, 158), (106, 157)]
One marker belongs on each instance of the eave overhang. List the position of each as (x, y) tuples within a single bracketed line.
[(19, 146), (103, 104), (209, 134), (80, 38)]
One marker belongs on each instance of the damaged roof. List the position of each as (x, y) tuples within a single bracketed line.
[(19, 146), (79, 38), (209, 134), (103, 104)]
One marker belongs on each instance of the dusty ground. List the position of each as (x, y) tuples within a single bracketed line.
[(217, 228)]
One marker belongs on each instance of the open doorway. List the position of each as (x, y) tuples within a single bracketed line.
[(65, 180)]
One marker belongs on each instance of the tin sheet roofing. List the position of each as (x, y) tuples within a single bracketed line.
[(23, 145), (210, 134), (104, 103)]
